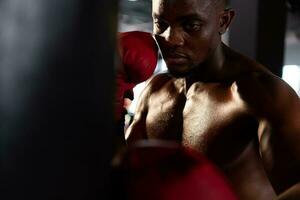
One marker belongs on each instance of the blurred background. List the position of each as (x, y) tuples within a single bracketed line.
[(272, 22), (56, 127)]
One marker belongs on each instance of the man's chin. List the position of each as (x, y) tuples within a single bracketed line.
[(179, 74)]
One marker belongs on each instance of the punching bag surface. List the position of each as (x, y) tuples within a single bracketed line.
[(56, 95)]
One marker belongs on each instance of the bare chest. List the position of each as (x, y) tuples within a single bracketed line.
[(210, 119)]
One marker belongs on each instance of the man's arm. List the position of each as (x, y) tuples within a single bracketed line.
[(280, 148), (292, 193), (277, 108), (137, 129)]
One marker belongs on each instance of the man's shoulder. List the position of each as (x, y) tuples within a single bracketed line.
[(161, 77), (265, 92), (153, 84), (259, 78), (251, 74), (158, 81), (258, 87)]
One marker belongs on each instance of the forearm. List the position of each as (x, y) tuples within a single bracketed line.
[(293, 193)]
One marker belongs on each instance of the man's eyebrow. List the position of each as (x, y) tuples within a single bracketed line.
[(154, 15), (182, 18), (191, 17)]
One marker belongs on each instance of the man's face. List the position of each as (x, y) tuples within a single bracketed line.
[(186, 31)]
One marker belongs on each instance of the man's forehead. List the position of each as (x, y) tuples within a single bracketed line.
[(195, 2), (191, 4), (184, 7)]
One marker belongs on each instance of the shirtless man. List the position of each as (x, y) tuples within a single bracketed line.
[(221, 103)]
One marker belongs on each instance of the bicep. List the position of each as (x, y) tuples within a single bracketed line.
[(280, 146)]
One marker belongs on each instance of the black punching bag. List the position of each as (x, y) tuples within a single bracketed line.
[(56, 98)]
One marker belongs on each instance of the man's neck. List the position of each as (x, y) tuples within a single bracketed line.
[(213, 69)]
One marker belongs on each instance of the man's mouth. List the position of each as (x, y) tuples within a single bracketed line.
[(175, 58)]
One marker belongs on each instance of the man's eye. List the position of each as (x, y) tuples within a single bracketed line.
[(192, 26), (161, 25)]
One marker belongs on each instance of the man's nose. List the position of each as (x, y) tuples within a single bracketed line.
[(173, 36)]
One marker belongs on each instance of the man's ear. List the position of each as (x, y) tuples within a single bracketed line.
[(225, 20)]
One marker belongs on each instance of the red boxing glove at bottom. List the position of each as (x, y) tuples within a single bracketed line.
[(167, 171)]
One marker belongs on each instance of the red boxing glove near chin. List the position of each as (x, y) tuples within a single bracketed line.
[(138, 58), (139, 54)]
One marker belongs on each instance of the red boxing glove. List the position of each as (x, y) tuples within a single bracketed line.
[(139, 54), (163, 170), (138, 58)]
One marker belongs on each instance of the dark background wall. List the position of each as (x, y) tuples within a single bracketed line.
[(56, 95), (258, 31)]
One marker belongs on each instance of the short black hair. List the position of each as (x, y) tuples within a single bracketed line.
[(225, 3)]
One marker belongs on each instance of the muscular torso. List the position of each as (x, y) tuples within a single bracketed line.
[(213, 119)]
